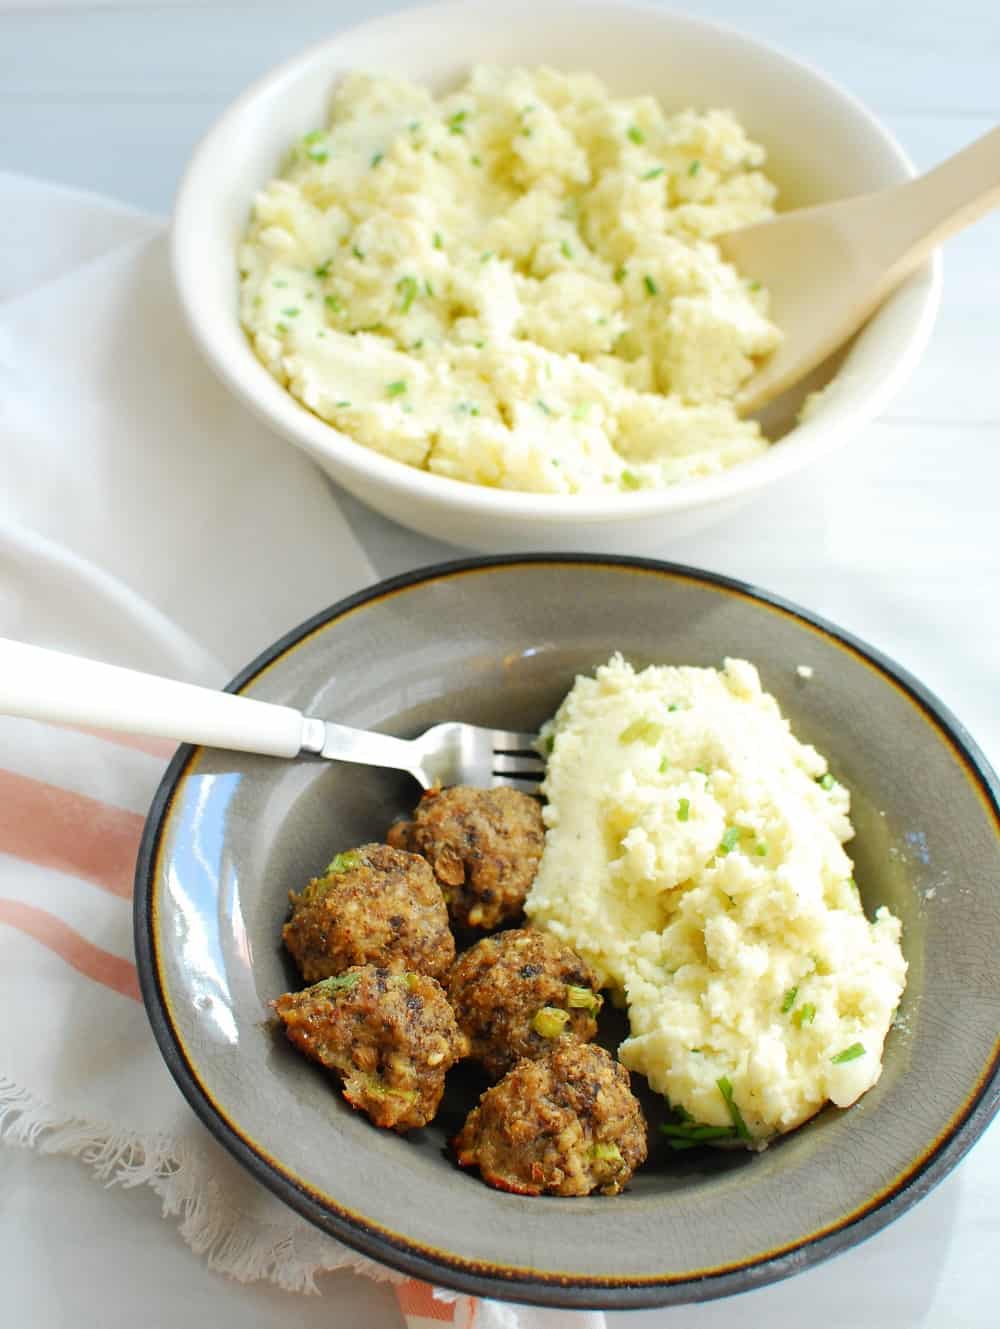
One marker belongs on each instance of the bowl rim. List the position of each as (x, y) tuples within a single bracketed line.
[(532, 1286), (252, 383)]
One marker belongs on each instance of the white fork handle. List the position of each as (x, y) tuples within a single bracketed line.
[(67, 689)]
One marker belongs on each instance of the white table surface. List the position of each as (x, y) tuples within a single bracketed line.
[(896, 538)]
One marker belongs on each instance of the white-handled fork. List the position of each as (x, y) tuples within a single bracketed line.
[(49, 685)]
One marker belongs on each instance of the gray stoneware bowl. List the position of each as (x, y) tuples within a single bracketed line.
[(498, 643)]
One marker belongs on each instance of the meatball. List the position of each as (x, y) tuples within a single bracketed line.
[(567, 1124), (373, 905), (516, 994), (390, 1036), (484, 846)]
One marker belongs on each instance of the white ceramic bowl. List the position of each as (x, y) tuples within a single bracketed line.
[(822, 144)]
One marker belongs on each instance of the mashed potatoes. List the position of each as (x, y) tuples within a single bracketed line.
[(694, 857), (515, 285)]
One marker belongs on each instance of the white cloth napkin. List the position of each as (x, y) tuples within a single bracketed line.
[(148, 520)]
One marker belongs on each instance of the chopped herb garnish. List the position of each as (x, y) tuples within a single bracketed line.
[(566, 249), (485, 258), (334, 303), (438, 240), (683, 809), (550, 1021), (636, 134), (378, 156), (318, 155), (760, 849), (674, 706), (396, 389), (701, 770), (852, 1053), (805, 1014), (685, 1135), (664, 765), (789, 1000), (853, 883), (314, 136), (323, 270), (580, 998), (417, 344), (292, 312), (826, 781), (581, 410), (338, 982), (407, 287), (739, 1125), (694, 168), (429, 290), (280, 284), (344, 862), (456, 122), (652, 175), (476, 159), (605, 1153), (281, 327), (547, 410), (343, 404), (641, 731), (650, 285), (621, 273), (755, 286), (548, 743), (730, 840), (357, 252), (630, 480)]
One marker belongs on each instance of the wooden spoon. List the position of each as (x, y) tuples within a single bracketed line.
[(828, 268)]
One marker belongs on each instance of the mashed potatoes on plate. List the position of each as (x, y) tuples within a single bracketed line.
[(515, 285), (694, 856)]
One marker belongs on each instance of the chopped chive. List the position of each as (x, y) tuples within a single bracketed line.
[(407, 287), (789, 1000), (543, 407), (664, 765), (279, 284), (548, 743), (566, 249), (739, 1125), (378, 156), (630, 480), (417, 344), (314, 136), (584, 999), (476, 159), (281, 327), (695, 1132), (683, 809), (605, 1153), (853, 883), (455, 122), (357, 252), (550, 1021), (805, 1014), (621, 273), (760, 849), (826, 781), (323, 270), (650, 285), (318, 155), (485, 258), (674, 706), (334, 303), (292, 312), (694, 168), (343, 404), (581, 410), (338, 982), (641, 731), (852, 1053), (344, 862), (397, 388), (636, 134), (652, 175), (755, 286), (729, 840), (429, 289), (438, 240)]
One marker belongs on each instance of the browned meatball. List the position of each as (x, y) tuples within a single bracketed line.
[(516, 994), (484, 846), (567, 1124), (391, 1036), (373, 905)]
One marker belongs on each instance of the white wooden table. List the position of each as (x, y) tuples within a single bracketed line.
[(896, 538)]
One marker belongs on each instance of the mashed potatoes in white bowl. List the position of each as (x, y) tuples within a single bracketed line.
[(463, 443)]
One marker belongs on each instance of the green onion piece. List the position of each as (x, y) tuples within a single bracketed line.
[(729, 840), (789, 1000), (293, 312), (852, 882), (852, 1053), (476, 160), (548, 743), (636, 134), (407, 287), (344, 862), (281, 327), (826, 781), (605, 1153), (755, 286), (650, 285), (583, 999), (344, 404), (652, 175), (630, 480), (550, 1021), (664, 765), (338, 983), (379, 156), (694, 168), (683, 809), (641, 731), (543, 407), (621, 273), (485, 258), (429, 289), (396, 389), (314, 136), (323, 270), (356, 252), (581, 410), (739, 1125), (805, 1014), (760, 849), (455, 122), (696, 1132), (438, 240), (279, 283), (334, 303), (318, 155)]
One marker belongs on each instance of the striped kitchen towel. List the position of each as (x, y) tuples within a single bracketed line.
[(147, 520)]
